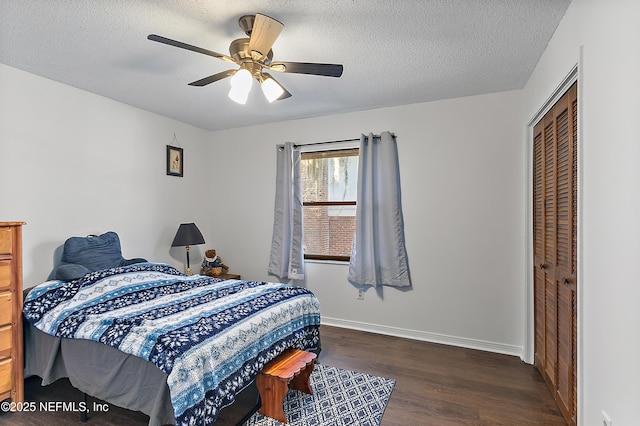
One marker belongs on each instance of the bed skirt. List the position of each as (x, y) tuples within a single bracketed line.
[(100, 371)]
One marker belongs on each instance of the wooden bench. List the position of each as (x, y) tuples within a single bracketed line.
[(289, 370)]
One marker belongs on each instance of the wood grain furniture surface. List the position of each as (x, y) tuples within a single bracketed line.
[(290, 370), (228, 276), (11, 352)]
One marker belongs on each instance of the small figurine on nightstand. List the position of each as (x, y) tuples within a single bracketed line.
[(212, 264)]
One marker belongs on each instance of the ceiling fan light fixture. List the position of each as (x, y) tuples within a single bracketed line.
[(242, 79), (271, 89), (241, 86), (238, 96)]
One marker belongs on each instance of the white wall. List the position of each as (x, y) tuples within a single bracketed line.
[(65, 152), (463, 181), (607, 33), (74, 163)]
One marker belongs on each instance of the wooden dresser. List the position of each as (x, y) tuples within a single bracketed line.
[(11, 351)]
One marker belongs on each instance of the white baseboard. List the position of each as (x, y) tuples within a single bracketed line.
[(426, 336)]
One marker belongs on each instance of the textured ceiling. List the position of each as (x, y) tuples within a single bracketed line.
[(394, 52)]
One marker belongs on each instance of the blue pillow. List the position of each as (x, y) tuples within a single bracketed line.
[(94, 252), (82, 255), (70, 272)]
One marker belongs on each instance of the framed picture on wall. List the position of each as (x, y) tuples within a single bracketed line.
[(175, 161)]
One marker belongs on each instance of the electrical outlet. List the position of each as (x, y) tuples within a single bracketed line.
[(606, 420), (360, 295)]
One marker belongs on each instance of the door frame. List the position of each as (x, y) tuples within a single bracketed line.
[(574, 75)]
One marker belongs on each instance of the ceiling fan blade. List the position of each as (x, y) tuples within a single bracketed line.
[(213, 78), (170, 42), (264, 33), (328, 70)]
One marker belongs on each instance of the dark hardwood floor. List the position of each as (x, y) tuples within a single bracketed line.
[(445, 385), (435, 385)]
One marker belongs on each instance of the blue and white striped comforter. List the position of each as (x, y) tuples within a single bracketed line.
[(210, 336)]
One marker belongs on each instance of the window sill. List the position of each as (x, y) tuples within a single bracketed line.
[(327, 262)]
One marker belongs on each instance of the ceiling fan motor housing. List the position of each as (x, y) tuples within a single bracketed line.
[(239, 50)]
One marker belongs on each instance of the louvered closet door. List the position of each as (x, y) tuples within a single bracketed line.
[(555, 238)]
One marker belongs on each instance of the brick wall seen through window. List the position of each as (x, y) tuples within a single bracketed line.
[(329, 182)]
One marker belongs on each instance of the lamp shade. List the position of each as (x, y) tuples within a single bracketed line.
[(271, 89), (188, 235)]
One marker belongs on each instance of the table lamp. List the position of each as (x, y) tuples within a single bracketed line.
[(188, 235)]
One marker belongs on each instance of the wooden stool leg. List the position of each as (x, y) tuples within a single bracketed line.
[(272, 393), (301, 381)]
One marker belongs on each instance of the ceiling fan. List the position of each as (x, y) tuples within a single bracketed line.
[(253, 55)]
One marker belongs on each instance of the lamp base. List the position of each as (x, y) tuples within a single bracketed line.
[(188, 271)]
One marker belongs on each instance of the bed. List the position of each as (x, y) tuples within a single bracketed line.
[(146, 337)]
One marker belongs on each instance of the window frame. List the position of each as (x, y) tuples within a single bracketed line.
[(327, 153)]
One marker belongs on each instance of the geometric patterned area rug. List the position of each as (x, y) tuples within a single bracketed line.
[(340, 398)]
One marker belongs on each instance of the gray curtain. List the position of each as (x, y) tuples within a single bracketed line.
[(379, 256), (287, 256)]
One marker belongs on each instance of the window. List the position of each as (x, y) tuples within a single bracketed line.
[(329, 183)]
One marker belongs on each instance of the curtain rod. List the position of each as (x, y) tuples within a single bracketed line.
[(327, 142)]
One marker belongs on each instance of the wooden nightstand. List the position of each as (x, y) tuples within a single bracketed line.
[(228, 276)]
